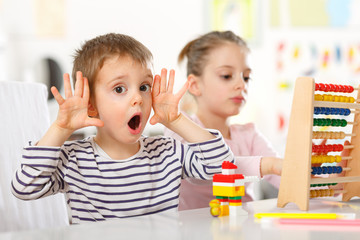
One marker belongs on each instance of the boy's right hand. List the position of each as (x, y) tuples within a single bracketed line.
[(73, 110)]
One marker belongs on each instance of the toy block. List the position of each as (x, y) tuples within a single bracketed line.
[(237, 211), (228, 191), (227, 178), (235, 203), (224, 210)]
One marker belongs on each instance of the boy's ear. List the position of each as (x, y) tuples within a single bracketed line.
[(194, 88), (92, 112)]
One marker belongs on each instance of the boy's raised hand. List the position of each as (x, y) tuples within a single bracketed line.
[(73, 110), (165, 103)]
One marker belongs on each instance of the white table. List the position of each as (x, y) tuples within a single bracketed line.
[(199, 224)]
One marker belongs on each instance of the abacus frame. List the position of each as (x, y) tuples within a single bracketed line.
[(296, 171)]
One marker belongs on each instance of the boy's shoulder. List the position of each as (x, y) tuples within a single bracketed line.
[(157, 139), (79, 144)]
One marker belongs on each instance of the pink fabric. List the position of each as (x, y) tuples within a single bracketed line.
[(248, 145)]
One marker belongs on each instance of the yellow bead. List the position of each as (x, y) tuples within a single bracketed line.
[(214, 203), (215, 211)]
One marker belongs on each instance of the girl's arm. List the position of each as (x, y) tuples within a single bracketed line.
[(165, 105)]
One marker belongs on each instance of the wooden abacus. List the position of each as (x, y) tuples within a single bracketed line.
[(302, 157)]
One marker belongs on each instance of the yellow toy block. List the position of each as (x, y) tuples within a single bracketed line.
[(235, 204), (228, 191), (224, 210)]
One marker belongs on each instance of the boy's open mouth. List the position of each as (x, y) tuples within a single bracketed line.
[(134, 122)]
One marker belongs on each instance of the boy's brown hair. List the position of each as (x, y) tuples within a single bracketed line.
[(90, 58)]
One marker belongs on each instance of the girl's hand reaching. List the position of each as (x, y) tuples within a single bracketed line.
[(73, 110), (164, 102)]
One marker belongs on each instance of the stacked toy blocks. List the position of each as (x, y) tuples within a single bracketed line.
[(229, 188)]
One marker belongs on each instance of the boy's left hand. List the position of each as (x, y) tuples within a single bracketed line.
[(164, 102)]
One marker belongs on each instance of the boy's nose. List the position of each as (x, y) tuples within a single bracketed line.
[(136, 99)]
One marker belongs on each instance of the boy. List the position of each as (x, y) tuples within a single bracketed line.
[(117, 173)]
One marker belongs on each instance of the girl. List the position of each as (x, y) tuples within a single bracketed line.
[(218, 76)]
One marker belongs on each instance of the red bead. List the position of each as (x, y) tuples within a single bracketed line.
[(327, 87), (329, 148), (332, 87), (346, 88), (341, 88), (351, 89), (316, 87), (314, 148), (322, 148), (336, 88), (321, 86), (340, 147)]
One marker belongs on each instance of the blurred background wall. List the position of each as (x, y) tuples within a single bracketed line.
[(288, 39)]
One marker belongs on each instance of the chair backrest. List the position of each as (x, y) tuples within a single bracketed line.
[(24, 116)]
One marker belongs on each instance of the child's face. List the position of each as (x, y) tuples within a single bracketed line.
[(123, 99), (224, 82)]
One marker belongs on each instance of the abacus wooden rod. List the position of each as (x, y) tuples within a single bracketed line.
[(334, 180), (348, 146), (336, 105), (346, 158)]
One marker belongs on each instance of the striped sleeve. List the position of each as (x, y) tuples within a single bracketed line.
[(39, 175), (203, 160)]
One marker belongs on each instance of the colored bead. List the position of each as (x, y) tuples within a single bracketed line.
[(351, 89), (341, 88), (332, 87)]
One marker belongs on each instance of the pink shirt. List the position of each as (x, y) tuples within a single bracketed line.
[(248, 145)]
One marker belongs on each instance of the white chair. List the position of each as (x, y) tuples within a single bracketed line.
[(24, 116)]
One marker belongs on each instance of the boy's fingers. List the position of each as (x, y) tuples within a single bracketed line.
[(86, 93), (67, 85), (59, 99), (171, 80), (163, 80), (154, 120), (94, 122), (156, 86), (79, 85)]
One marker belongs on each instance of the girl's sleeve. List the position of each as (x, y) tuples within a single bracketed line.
[(203, 160), (262, 147), (39, 174)]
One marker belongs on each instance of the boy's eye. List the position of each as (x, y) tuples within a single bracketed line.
[(145, 88), (120, 89)]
